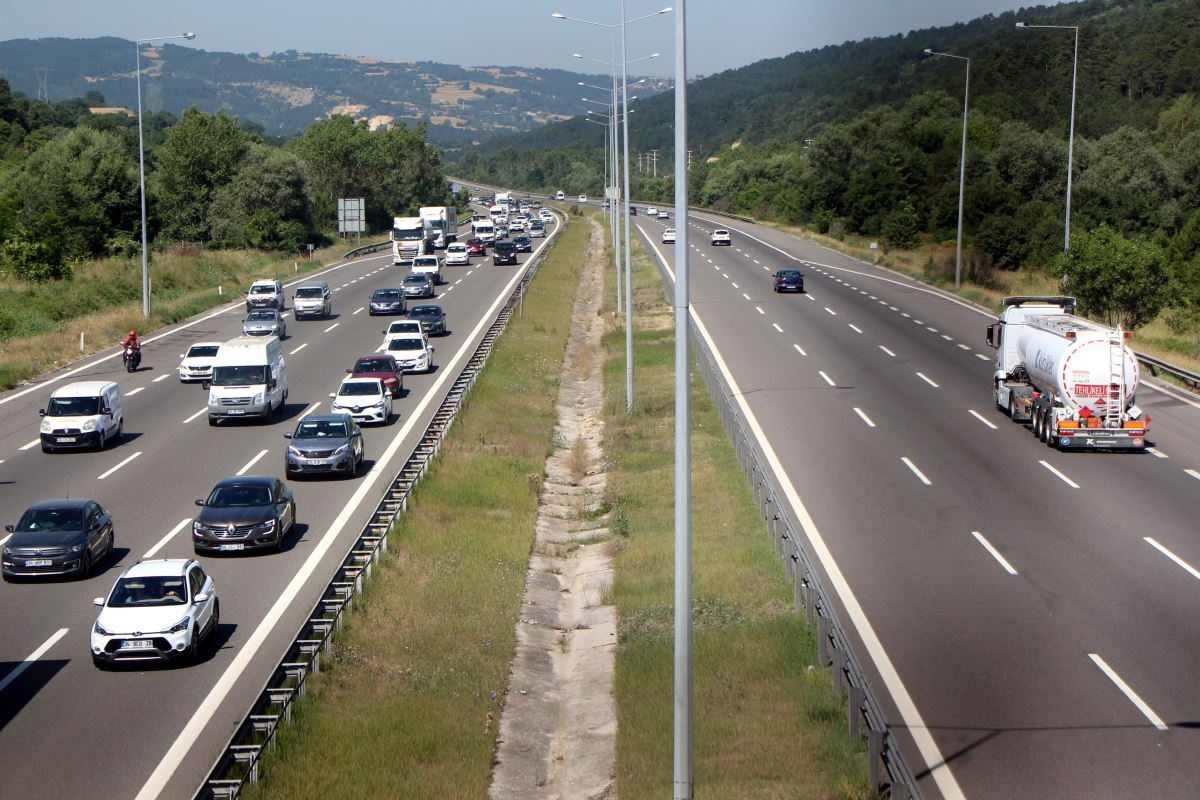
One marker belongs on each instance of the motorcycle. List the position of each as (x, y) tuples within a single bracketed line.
[(132, 358)]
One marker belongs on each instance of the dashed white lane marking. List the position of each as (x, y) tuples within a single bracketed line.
[(31, 658), (855, 328), (1128, 691), (828, 379), (948, 338), (298, 349), (809, 296), (775, 325), (799, 349), (725, 276), (449, 288), (919, 322), (163, 541), (759, 309), (862, 415), (981, 418), (160, 378), (889, 352), (132, 392), (831, 311), (893, 308), (962, 346), (251, 463), (1064, 478), (735, 285), (916, 471), (338, 289), (284, 315), (1188, 568), (905, 314), (925, 378), (994, 552), (756, 261), (193, 416), (457, 282), (331, 327), (118, 466), (981, 357), (358, 310), (1191, 472), (1154, 451), (873, 297), (929, 328), (34, 443)]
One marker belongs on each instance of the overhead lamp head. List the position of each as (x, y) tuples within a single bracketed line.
[(1021, 25), (928, 52), (577, 55), (666, 10), (189, 35), (557, 15)]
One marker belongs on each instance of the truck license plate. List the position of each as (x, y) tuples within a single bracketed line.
[(41, 562)]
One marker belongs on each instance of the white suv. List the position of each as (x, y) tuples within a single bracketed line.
[(720, 236), (157, 610)]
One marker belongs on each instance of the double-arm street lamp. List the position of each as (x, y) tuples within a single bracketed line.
[(962, 163), (1071, 133), (142, 162)]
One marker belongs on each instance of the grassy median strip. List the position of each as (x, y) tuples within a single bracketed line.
[(766, 722), (410, 702)]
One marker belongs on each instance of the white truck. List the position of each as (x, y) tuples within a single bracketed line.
[(503, 199), (409, 235), (1073, 379), (249, 379), (444, 223)]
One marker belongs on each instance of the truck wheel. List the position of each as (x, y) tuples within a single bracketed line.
[(1012, 409), (1035, 420)]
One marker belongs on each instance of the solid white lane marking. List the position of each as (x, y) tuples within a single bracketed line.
[(118, 466), (799, 349), (358, 311), (995, 553), (298, 349), (828, 379), (163, 541), (889, 352), (1154, 451), (1064, 478), (31, 658), (923, 377), (855, 328), (775, 325), (132, 392), (916, 471), (759, 309), (193, 416), (981, 418), (331, 327), (831, 311), (864, 417), (982, 357), (962, 346), (1191, 472), (34, 443), (160, 378), (1179, 561), (1128, 691), (251, 463)]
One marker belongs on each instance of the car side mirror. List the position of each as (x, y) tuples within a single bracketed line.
[(287, 435), (41, 412), (97, 601), (205, 384), (993, 335), (200, 598), (183, 355), (9, 528), (349, 372), (331, 394), (199, 502)]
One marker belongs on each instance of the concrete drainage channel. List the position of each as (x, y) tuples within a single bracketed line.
[(239, 761)]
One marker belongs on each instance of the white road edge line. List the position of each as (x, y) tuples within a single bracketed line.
[(916, 471), (32, 657), (1128, 691), (199, 720), (163, 541), (1064, 478), (118, 466), (862, 415), (251, 463), (1186, 566), (995, 553), (981, 418)]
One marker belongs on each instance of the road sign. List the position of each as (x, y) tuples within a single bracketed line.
[(352, 215)]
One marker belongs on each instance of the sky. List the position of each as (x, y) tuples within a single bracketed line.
[(721, 34)]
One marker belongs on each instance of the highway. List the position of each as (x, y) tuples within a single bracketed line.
[(69, 730), (1024, 613)]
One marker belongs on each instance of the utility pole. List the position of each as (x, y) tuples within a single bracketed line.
[(654, 162), (42, 74)]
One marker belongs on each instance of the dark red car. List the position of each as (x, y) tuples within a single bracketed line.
[(476, 247), (383, 367)]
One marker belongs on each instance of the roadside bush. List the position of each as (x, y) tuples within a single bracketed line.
[(35, 261)]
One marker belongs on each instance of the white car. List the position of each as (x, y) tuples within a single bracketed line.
[(196, 363), (663, 214), (560, 195), (583, 198), (721, 236), (157, 610), (429, 265), (547, 216), (516, 225), (457, 256), (651, 211), (412, 351), (364, 399), (668, 236)]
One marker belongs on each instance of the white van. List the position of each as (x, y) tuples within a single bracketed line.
[(83, 414), (484, 232), (560, 195), (431, 266), (312, 299), (249, 379)]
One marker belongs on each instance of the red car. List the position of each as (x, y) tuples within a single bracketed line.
[(383, 367), (476, 247)]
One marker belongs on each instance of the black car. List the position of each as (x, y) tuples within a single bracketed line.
[(504, 252), (387, 301), (245, 512), (58, 537), (324, 444), (523, 244), (633, 211), (431, 317), (789, 280)]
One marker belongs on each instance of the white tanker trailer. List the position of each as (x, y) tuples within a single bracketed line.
[(1073, 379)]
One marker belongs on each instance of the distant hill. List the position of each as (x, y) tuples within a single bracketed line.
[(284, 92)]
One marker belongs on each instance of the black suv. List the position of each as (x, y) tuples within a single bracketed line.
[(789, 280), (504, 252)]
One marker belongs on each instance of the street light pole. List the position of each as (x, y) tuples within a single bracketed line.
[(962, 166), (1071, 130), (137, 46)]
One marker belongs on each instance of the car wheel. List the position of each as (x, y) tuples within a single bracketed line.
[(85, 566), (193, 649), (216, 618), (112, 544), (99, 663), (1012, 408), (47, 448)]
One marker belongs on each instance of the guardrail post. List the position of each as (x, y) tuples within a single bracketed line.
[(875, 759), (855, 702), (810, 605), (823, 639), (839, 672)]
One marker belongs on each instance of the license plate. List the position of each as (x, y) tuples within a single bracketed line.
[(41, 562), (232, 547), (137, 644), (236, 411), (65, 439), (310, 462)]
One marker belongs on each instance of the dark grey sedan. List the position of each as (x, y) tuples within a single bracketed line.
[(244, 512), (323, 444), (58, 537), (264, 322), (418, 285), (387, 301), (431, 317)]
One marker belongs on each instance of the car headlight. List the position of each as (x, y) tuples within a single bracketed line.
[(98, 628), (78, 548), (343, 449), (292, 451), (261, 397), (90, 425), (46, 426), (263, 527), (179, 627), (379, 403)]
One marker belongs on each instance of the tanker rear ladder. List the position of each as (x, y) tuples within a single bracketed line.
[(1116, 384)]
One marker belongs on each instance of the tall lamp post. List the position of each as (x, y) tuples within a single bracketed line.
[(611, 180), (962, 164), (1071, 134), (137, 46)]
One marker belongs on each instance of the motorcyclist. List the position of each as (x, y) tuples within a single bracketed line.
[(133, 346)]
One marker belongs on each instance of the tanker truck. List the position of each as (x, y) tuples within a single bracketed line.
[(1071, 378)]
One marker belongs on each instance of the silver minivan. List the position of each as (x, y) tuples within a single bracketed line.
[(312, 299)]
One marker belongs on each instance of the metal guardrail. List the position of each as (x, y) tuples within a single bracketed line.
[(1155, 365), (239, 761), (367, 248)]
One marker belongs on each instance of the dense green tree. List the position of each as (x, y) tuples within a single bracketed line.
[(1118, 279), (264, 205), (201, 153)]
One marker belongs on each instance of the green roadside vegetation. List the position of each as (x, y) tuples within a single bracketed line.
[(766, 721), (408, 704)]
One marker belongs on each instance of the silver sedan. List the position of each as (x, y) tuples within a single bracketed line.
[(264, 322)]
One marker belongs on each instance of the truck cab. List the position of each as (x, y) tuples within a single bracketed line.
[(409, 238)]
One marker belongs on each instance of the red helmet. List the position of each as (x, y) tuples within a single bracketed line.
[(133, 332)]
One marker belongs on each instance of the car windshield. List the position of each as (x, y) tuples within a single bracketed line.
[(260, 316), (51, 519), (321, 429), (203, 351), (152, 590), (415, 279), (73, 407), (374, 365), (359, 388), (386, 294), (235, 495), (474, 241), (425, 311), (407, 234), (239, 376), (521, 240), (309, 291), (456, 248), (406, 344), (262, 290)]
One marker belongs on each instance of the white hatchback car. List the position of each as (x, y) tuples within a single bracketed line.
[(364, 399), (157, 611), (720, 236), (197, 362), (583, 198), (457, 255), (412, 351), (668, 236)]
